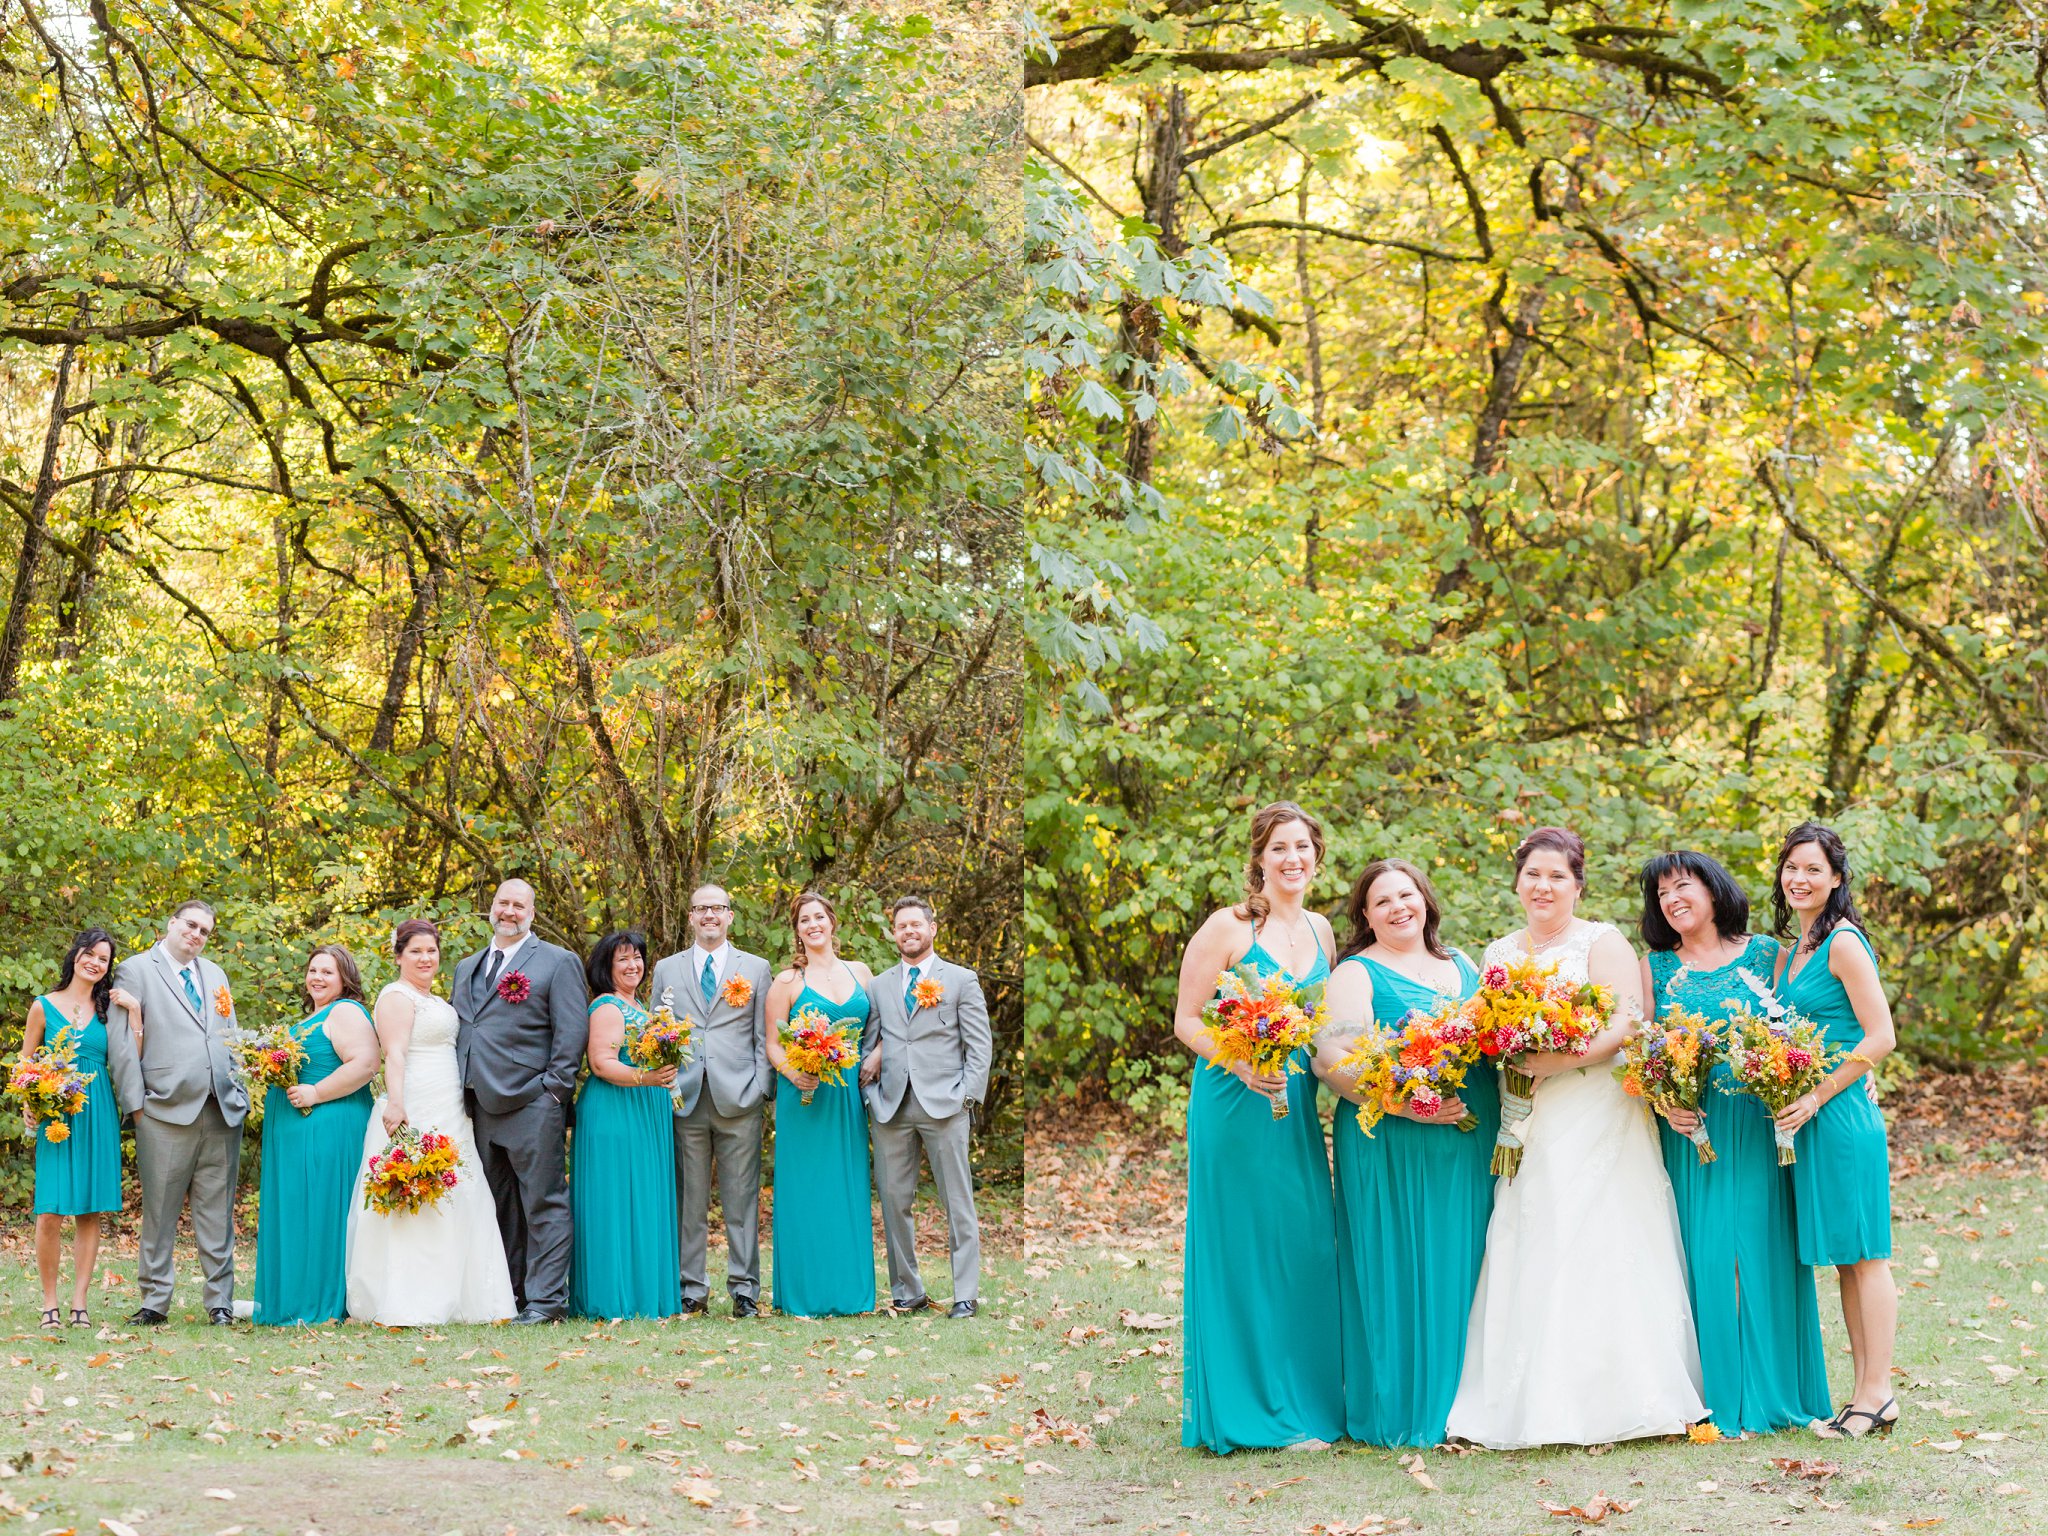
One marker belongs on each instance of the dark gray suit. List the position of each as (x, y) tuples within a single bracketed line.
[(188, 1134), (935, 1063), (518, 1063), (724, 1088)]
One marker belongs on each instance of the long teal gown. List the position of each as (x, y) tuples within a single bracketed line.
[(1753, 1303), (823, 1255), (1412, 1206), (1261, 1361), (309, 1180), (1842, 1181), (623, 1258), (81, 1175)]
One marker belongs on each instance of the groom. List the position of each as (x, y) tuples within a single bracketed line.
[(523, 1006), (925, 1059), (187, 1105), (722, 1090)]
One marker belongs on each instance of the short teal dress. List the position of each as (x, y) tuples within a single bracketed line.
[(1842, 1180), (1412, 1207), (1261, 1362), (823, 1252), (624, 1251), (1753, 1302), (81, 1175), (308, 1183)]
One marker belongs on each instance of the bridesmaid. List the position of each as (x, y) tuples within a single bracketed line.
[(622, 1190), (1414, 1197), (1842, 1180), (312, 1141), (80, 1176), (824, 1249), (1259, 1288), (1753, 1302)]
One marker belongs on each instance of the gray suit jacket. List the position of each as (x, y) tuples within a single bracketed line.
[(185, 1058), (944, 1050), (511, 1053), (729, 1046)]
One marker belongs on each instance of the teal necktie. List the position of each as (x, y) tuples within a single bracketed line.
[(710, 982), (192, 992), (910, 992)]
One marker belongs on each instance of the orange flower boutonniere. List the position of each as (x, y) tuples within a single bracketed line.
[(737, 991), (222, 1003), (929, 992)]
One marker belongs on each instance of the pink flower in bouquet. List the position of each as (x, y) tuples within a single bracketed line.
[(1495, 976)]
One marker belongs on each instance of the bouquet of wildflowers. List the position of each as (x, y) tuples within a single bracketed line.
[(813, 1043), (267, 1059), (1777, 1059), (662, 1040), (1666, 1063), (1261, 1021), (410, 1174), (1419, 1065), (1521, 1009), (49, 1087)]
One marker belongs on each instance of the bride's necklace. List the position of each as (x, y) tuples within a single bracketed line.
[(1412, 971)]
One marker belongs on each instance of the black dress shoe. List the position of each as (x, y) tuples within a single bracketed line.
[(961, 1309), (527, 1316), (147, 1317), (220, 1317), (912, 1308), (692, 1305), (745, 1306)]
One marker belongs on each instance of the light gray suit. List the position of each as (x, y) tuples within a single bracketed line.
[(724, 1088), (934, 1072), (188, 1134)]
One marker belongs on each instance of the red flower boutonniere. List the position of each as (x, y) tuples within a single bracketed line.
[(515, 988), (929, 992), (737, 991), (222, 1003)]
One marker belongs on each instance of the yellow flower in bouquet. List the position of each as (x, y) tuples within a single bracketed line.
[(50, 1088), (1666, 1064)]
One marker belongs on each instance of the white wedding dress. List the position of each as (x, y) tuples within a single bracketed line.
[(444, 1264), (1581, 1331)]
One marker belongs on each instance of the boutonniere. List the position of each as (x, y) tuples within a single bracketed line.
[(222, 1003), (929, 992), (515, 988), (737, 991)]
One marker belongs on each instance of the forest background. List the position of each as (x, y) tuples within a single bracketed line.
[(1637, 424), (444, 441)]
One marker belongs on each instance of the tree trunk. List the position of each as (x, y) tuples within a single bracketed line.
[(1311, 534), (1166, 135), (14, 638)]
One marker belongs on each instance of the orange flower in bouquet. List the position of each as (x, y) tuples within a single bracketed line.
[(813, 1043), (1261, 1021), (49, 1087)]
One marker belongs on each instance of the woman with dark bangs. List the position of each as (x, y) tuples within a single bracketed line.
[(1842, 1179), (1753, 1302)]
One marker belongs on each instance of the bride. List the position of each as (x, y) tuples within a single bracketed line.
[(444, 1264), (1581, 1331)]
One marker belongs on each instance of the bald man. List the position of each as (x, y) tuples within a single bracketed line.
[(524, 1007)]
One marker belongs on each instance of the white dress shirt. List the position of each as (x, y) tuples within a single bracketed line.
[(720, 958)]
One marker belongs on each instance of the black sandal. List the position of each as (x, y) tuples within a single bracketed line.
[(79, 1319), (1840, 1428), (51, 1318)]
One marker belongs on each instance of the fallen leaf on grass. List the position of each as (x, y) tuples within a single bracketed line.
[(220, 1493), (1036, 1468), (618, 1472), (117, 1527), (1819, 1471), (1921, 1525), (1145, 1320), (700, 1491), (945, 1528), (1594, 1510), (1413, 1466)]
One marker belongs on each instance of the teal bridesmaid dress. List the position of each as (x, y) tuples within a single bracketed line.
[(1753, 1302), (624, 1248), (308, 1183), (1842, 1180), (81, 1175), (822, 1255), (1262, 1365), (1412, 1207)]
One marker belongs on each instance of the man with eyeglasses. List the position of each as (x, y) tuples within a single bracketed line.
[(187, 1105), (722, 1090)]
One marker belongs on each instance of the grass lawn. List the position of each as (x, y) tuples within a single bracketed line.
[(1970, 1456), (776, 1424)]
